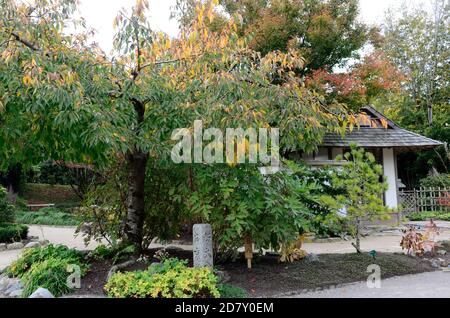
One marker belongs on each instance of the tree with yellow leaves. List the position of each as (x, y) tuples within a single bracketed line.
[(63, 98)]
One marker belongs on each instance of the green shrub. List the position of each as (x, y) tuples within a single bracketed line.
[(424, 216), (439, 181), (230, 291), (21, 204), (170, 279), (47, 216), (6, 209), (51, 274), (115, 253), (32, 256), (12, 232)]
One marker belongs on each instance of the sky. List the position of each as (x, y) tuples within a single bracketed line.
[(100, 14)]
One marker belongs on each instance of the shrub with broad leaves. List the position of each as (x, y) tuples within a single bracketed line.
[(170, 279)]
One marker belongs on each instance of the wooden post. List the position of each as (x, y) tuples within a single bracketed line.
[(248, 250)]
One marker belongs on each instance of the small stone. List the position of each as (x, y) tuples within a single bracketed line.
[(173, 249), (17, 293), (442, 252), (14, 246), (2, 247), (4, 282), (434, 264), (444, 264), (32, 245), (12, 287), (312, 258), (223, 276), (44, 242), (41, 293), (155, 265)]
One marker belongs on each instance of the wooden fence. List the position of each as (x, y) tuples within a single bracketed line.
[(425, 199)]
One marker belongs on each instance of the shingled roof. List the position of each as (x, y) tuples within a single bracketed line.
[(375, 136)]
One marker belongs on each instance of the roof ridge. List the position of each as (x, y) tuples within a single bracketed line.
[(422, 136)]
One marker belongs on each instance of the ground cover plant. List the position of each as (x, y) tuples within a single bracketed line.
[(169, 279), (47, 267), (47, 216)]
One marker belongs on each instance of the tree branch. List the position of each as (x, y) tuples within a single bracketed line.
[(25, 42)]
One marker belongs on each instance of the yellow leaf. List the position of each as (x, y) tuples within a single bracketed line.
[(27, 80)]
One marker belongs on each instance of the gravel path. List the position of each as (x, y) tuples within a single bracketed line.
[(425, 285)]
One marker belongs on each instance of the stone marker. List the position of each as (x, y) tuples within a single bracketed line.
[(202, 240)]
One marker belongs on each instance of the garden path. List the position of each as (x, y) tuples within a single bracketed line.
[(425, 285)]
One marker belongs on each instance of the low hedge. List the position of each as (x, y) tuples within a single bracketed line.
[(10, 232), (47, 216), (424, 216)]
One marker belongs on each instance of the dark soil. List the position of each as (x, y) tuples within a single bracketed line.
[(270, 278)]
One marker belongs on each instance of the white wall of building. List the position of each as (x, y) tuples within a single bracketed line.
[(390, 172)]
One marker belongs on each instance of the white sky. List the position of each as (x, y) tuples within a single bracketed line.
[(100, 14)]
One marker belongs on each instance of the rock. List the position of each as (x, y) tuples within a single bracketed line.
[(444, 263), (442, 252), (173, 249), (311, 257), (14, 246), (223, 276), (4, 282), (434, 264), (17, 293), (41, 293), (2, 247), (156, 264), (32, 245), (13, 286)]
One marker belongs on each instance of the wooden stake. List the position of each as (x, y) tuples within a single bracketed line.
[(248, 250)]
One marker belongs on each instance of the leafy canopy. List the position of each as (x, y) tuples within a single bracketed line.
[(63, 98)]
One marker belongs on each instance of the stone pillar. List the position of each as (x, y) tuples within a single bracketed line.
[(203, 248), (391, 177)]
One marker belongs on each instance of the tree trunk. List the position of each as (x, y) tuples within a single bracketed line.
[(358, 236), (137, 164), (137, 167)]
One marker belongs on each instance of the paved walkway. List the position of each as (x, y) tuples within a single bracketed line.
[(425, 285)]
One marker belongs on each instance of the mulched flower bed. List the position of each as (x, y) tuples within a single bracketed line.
[(271, 278)]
